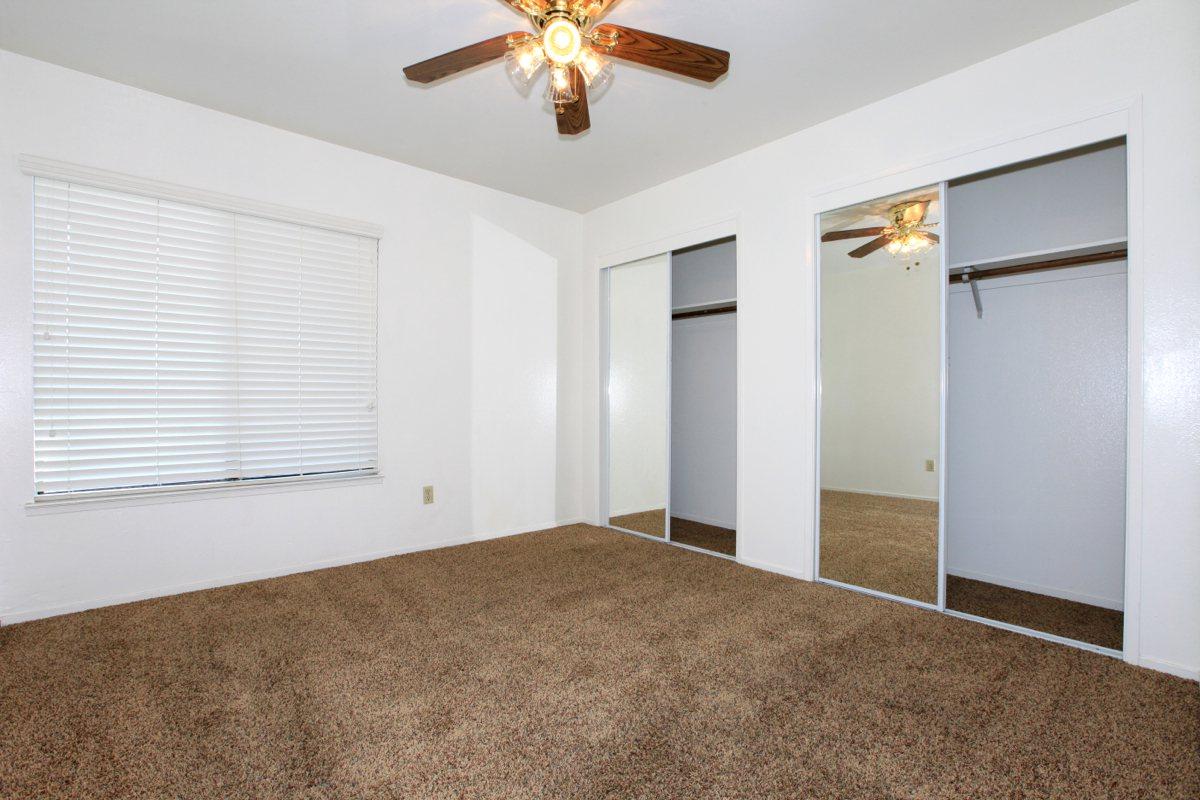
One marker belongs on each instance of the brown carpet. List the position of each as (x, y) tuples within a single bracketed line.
[(707, 537), (574, 663), (888, 544), (651, 523), (1086, 623)]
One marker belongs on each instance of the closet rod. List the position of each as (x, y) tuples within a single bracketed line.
[(1039, 266), (705, 312)]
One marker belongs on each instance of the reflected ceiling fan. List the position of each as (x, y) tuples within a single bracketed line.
[(568, 40), (908, 233)]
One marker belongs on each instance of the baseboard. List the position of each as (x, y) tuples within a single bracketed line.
[(541, 526), (880, 493), (30, 614), (1170, 667), (1049, 591), (716, 523), (778, 569)]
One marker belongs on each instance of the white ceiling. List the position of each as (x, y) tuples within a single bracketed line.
[(332, 70)]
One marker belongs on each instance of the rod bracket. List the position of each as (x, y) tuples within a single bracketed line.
[(968, 278)]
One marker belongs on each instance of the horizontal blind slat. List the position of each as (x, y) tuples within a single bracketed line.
[(177, 344)]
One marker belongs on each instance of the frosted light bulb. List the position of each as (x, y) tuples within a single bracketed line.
[(562, 41), (596, 70), (524, 62), (560, 91)]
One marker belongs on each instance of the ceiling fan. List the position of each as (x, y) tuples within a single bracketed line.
[(568, 40), (908, 233)]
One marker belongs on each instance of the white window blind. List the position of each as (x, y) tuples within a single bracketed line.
[(177, 345)]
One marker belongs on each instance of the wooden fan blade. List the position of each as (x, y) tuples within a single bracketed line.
[(869, 247), (573, 118), (457, 60), (933, 237), (663, 52), (856, 233)]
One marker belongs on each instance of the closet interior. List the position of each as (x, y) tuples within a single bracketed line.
[(1036, 395), (671, 396), (973, 363)]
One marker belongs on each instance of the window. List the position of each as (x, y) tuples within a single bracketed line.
[(178, 345)]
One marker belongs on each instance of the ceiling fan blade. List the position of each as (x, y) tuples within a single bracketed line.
[(933, 237), (663, 52), (593, 9), (458, 60), (856, 233), (574, 118), (869, 247)]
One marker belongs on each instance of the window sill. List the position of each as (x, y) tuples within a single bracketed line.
[(123, 498)]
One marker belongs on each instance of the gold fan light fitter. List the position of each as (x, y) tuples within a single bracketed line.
[(562, 43)]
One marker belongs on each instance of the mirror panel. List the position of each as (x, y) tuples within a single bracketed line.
[(880, 383), (639, 326)]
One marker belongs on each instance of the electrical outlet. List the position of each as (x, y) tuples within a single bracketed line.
[(929, 465), (427, 494)]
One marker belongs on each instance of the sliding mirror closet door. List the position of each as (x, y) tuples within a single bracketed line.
[(880, 395), (639, 330)]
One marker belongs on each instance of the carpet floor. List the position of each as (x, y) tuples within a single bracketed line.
[(706, 537), (651, 523), (1080, 621), (889, 544), (574, 663)]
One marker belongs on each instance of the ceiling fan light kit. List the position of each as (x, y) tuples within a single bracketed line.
[(907, 235), (574, 49)]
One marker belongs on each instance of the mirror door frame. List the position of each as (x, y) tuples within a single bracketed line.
[(710, 232), (1121, 118), (943, 271)]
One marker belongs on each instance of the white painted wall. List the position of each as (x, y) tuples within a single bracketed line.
[(640, 326), (880, 371), (1035, 434), (1048, 204), (1145, 50), (428, 266), (514, 371), (704, 419)]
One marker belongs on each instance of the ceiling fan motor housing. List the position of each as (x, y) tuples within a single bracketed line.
[(559, 9)]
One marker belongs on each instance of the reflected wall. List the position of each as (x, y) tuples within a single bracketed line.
[(639, 324)]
